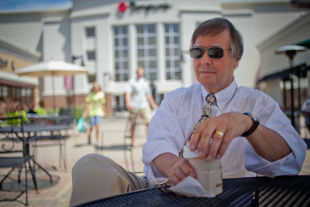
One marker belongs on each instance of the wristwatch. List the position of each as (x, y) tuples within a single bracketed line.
[(253, 127)]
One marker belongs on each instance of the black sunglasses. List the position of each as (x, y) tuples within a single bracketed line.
[(213, 52)]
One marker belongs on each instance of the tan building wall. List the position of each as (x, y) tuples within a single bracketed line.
[(13, 62)]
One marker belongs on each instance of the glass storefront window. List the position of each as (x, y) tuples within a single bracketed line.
[(172, 47), (121, 53), (147, 52)]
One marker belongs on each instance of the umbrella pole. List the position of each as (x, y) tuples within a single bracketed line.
[(53, 85)]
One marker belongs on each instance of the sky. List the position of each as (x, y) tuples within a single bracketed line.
[(11, 5)]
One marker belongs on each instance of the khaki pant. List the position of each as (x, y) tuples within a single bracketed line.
[(145, 114), (95, 176)]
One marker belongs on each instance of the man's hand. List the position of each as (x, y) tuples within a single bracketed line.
[(128, 101), (129, 107), (174, 168), (221, 129)]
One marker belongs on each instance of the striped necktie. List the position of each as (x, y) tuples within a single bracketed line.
[(210, 98)]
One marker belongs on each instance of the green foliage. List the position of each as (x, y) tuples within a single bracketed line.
[(41, 111), (77, 112), (16, 122)]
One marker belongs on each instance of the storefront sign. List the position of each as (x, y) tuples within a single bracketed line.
[(122, 6), (68, 82)]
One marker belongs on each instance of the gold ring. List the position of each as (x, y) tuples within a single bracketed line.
[(219, 133)]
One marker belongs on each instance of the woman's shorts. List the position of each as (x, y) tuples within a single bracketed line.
[(95, 120)]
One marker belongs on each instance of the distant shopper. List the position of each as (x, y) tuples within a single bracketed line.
[(31, 109), (95, 109), (305, 110), (138, 96)]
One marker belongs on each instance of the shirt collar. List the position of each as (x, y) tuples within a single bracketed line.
[(222, 97)]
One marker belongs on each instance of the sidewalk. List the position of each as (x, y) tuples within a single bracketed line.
[(59, 193)]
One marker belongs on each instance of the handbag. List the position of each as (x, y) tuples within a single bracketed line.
[(81, 125)]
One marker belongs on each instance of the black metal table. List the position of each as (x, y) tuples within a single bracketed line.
[(35, 128), (31, 131), (49, 119), (258, 191)]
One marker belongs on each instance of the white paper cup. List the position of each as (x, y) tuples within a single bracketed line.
[(211, 180), (209, 174), (201, 164)]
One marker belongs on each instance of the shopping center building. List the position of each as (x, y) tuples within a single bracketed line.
[(112, 38)]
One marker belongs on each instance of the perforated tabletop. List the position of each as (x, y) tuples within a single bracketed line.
[(259, 191)]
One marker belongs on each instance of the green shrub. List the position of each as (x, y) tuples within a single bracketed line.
[(41, 111), (16, 122)]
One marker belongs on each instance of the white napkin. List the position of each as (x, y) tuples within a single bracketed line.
[(190, 187)]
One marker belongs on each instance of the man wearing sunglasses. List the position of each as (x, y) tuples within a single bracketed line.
[(244, 127)]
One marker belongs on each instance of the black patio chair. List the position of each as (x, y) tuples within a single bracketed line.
[(52, 138), (15, 155)]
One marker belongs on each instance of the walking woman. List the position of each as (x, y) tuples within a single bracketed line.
[(95, 109)]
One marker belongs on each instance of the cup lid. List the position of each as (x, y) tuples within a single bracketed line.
[(187, 153)]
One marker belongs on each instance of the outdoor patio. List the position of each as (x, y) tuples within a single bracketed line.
[(58, 193)]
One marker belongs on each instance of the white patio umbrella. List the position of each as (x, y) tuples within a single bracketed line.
[(51, 68)]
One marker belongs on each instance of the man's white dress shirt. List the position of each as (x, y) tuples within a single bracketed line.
[(175, 119)]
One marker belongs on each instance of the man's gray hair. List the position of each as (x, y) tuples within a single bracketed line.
[(216, 26)]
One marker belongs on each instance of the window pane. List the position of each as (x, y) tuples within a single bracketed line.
[(115, 30), (176, 40), (141, 63), (125, 53), (176, 28), (117, 77), (140, 53), (126, 65), (151, 28), (166, 27), (152, 76), (152, 40), (115, 42), (176, 52), (152, 52), (168, 76), (177, 63), (125, 41), (141, 41), (90, 32), (168, 64), (91, 55), (126, 76), (167, 51), (5, 91), (153, 64), (139, 28), (116, 65), (116, 53), (125, 30), (167, 40)]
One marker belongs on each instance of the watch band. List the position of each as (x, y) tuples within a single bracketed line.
[(253, 127)]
